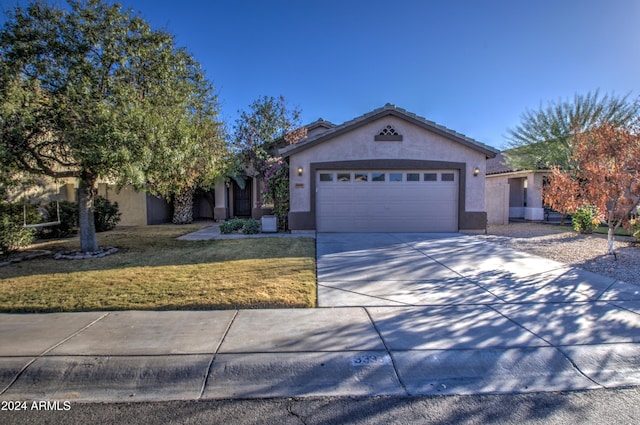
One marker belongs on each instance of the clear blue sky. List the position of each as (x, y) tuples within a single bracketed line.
[(473, 66)]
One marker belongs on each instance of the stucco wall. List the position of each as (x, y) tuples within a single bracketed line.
[(515, 205), (132, 204), (417, 144)]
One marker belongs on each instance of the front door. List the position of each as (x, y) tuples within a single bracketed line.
[(242, 199)]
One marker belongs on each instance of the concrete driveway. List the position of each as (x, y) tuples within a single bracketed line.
[(458, 312)]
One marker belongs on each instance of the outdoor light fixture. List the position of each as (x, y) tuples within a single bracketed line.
[(300, 171), (476, 171)]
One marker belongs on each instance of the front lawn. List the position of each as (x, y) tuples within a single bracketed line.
[(155, 271)]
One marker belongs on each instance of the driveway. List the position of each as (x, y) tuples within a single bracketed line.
[(454, 305)]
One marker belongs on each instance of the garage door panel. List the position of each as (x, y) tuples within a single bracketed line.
[(387, 206)]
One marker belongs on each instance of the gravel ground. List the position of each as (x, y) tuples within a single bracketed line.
[(566, 246)]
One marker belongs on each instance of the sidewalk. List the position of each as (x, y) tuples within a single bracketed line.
[(191, 355)]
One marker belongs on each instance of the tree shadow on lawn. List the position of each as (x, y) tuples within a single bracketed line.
[(159, 253)]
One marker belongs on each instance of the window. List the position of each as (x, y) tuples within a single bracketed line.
[(430, 177), (413, 177), (344, 177), (326, 177), (447, 177), (361, 177), (377, 177), (395, 177)]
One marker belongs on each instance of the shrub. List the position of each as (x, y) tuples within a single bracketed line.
[(634, 228), (105, 214), (585, 219), (231, 225), (13, 235), (68, 220), (251, 227)]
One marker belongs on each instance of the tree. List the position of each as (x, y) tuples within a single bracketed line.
[(606, 175), (270, 124), (191, 140), (93, 92), (544, 138), (260, 131)]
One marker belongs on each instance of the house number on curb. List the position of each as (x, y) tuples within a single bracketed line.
[(369, 359)]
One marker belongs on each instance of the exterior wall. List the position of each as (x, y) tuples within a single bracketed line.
[(132, 204), (516, 197), (417, 145), (497, 201), (220, 211), (534, 210), (515, 205), (44, 190), (159, 211)]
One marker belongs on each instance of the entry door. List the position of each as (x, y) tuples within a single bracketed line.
[(242, 199)]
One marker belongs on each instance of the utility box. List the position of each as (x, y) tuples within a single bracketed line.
[(269, 224)]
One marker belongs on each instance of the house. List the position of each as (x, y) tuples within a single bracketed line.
[(513, 194), (387, 171), (138, 208)]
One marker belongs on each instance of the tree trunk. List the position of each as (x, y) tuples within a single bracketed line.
[(88, 240), (610, 241), (183, 207)]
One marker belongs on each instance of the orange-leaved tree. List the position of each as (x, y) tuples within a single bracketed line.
[(606, 175)]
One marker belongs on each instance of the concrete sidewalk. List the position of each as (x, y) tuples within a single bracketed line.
[(402, 315)]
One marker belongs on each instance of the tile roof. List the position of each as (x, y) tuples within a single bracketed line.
[(388, 109)]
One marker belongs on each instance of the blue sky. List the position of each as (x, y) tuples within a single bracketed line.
[(473, 66)]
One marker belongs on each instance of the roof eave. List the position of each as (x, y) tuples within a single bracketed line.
[(393, 111)]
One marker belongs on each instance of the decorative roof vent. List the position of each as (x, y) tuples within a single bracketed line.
[(388, 134)]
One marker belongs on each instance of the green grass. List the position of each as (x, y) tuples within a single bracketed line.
[(154, 271), (603, 230)]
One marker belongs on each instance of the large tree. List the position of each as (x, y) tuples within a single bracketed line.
[(92, 91), (544, 138), (606, 175)]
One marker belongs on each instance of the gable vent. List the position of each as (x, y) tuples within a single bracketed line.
[(388, 134)]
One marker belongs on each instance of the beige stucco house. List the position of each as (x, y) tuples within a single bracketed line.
[(387, 171)]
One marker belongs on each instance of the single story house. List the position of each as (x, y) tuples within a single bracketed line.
[(514, 194), (387, 171)]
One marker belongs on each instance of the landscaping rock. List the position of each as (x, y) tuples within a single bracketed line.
[(81, 255)]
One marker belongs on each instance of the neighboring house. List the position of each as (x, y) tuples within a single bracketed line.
[(137, 208), (387, 171), (513, 194)]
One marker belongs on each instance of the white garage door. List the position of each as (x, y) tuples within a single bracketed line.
[(387, 201)]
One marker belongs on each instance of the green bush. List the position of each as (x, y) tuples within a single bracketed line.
[(106, 214), (585, 219), (251, 227), (16, 212), (248, 226), (13, 235), (634, 228), (68, 220), (231, 225)]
